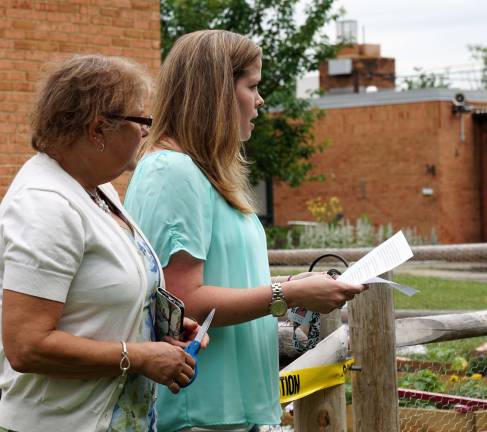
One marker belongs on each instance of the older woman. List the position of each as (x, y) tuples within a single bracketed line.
[(208, 237), (78, 278)]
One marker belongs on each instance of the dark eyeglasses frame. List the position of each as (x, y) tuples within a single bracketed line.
[(145, 121)]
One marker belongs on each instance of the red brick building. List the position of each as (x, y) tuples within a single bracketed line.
[(35, 31), (398, 157), (403, 158)]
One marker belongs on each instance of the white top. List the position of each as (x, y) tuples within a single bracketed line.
[(57, 244)]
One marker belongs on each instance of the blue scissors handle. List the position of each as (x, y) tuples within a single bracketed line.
[(193, 349)]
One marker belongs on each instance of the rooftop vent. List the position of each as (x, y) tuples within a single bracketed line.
[(347, 31)]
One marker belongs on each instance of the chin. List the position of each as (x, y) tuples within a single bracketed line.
[(245, 136)]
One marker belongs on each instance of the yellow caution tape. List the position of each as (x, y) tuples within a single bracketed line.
[(299, 383)]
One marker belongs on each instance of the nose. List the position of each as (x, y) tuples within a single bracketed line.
[(145, 130), (259, 102)]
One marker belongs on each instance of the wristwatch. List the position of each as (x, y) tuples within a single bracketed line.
[(278, 305)]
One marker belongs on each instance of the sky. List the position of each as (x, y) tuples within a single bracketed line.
[(432, 34)]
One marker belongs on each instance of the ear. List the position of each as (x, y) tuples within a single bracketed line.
[(95, 130)]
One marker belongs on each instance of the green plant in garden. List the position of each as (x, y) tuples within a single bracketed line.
[(283, 140), (478, 365), (282, 237), (469, 388), (340, 233), (423, 380)]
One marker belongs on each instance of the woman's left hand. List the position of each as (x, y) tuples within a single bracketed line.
[(191, 328)]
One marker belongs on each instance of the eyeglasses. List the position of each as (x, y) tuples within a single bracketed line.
[(145, 121)]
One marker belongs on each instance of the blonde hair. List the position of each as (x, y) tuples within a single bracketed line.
[(80, 88), (196, 106)]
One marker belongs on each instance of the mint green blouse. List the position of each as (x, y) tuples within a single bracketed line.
[(178, 209)]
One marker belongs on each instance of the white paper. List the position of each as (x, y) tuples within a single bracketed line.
[(385, 257), (403, 288)]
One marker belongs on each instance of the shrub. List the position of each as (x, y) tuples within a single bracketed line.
[(338, 234)]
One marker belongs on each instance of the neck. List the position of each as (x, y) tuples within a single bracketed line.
[(80, 164), (168, 144)]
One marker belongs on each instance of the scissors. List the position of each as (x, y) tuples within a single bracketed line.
[(194, 347)]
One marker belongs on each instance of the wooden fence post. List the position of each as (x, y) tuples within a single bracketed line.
[(372, 339), (325, 410)]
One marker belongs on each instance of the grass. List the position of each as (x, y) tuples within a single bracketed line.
[(435, 293), (438, 293), (445, 294)]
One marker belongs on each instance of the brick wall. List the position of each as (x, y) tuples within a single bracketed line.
[(378, 72), (377, 164), (34, 31), (459, 182)]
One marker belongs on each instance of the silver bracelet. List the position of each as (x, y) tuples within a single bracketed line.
[(124, 361)]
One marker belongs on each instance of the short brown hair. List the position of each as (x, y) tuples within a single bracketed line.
[(196, 105), (77, 90)]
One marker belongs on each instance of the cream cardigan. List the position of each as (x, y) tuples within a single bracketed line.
[(55, 243)]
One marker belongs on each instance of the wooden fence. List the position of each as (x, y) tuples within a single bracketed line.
[(374, 336)]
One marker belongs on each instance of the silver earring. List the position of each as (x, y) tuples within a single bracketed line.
[(101, 147)]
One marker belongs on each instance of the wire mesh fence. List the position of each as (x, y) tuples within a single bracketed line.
[(442, 386)]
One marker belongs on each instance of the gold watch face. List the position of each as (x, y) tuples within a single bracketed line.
[(278, 308)]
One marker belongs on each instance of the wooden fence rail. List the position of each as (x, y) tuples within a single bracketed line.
[(416, 330), (375, 352), (474, 252)]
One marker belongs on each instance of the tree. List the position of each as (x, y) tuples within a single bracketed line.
[(479, 52), (283, 141), (426, 80)]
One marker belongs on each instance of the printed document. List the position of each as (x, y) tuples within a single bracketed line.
[(385, 257)]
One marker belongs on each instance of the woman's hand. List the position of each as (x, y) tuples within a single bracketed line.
[(191, 328), (164, 363), (319, 292)]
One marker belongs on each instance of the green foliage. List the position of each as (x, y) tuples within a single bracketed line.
[(440, 352), (426, 80), (282, 237), (447, 352), (479, 52), (478, 365), (340, 233), (428, 381), (470, 388), (423, 380), (283, 141)]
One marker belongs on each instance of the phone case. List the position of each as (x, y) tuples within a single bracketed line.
[(169, 315)]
